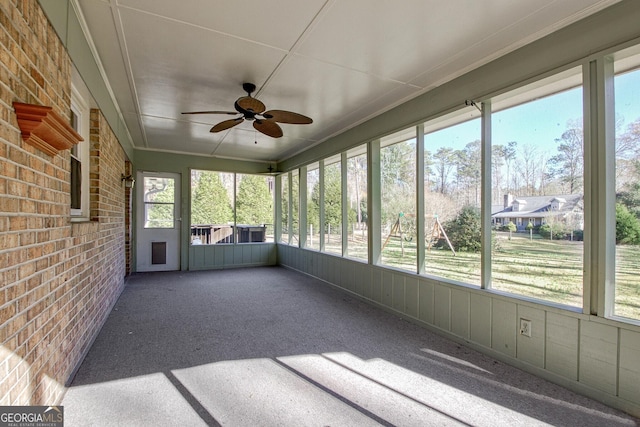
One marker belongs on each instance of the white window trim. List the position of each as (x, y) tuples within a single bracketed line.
[(80, 107)]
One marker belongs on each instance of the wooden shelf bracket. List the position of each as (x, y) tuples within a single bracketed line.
[(45, 129)]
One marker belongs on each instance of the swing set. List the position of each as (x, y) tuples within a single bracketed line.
[(437, 233)]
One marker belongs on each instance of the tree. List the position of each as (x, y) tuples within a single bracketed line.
[(497, 162), (290, 219), (332, 197), (313, 208), (399, 163), (284, 204), (627, 158), (628, 144), (543, 174), (530, 164), (509, 154), (398, 181), (443, 163), (438, 206), (357, 185), (464, 231), (630, 198), (570, 158), (295, 203), (428, 171), (627, 226), (510, 226), (313, 199), (529, 228), (160, 209), (254, 204), (210, 204), (468, 165)]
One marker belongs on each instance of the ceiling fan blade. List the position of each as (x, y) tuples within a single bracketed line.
[(227, 124), (269, 128), (251, 104), (212, 112), (282, 116)]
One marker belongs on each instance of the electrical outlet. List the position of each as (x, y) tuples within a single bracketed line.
[(525, 327)]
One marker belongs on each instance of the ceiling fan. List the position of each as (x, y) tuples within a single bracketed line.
[(271, 171), (254, 110)]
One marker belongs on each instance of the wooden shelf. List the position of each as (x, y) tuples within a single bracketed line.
[(44, 128)]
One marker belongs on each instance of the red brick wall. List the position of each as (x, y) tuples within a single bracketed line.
[(58, 280)]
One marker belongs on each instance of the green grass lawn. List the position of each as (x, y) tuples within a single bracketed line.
[(544, 269), (628, 281), (550, 270)]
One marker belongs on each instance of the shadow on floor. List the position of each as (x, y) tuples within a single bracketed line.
[(269, 346)]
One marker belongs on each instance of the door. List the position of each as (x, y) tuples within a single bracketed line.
[(158, 221)]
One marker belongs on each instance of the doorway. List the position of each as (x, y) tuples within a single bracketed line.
[(158, 221)]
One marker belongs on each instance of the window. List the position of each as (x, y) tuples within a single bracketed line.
[(295, 208), (284, 209), (333, 206), (537, 182), (398, 200), (212, 203), (254, 208), (536, 202), (313, 207), (231, 208), (79, 167), (357, 243), (159, 202), (627, 183), (452, 192)]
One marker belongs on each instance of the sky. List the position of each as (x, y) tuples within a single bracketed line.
[(540, 122)]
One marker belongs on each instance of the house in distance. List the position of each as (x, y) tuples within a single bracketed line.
[(567, 209)]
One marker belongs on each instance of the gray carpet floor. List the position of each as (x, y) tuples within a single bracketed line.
[(272, 347)]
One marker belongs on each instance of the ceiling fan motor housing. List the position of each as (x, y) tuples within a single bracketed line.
[(249, 106), (249, 87)]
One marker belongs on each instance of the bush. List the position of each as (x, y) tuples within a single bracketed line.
[(510, 226), (627, 226), (545, 230), (578, 235), (464, 230), (558, 231)]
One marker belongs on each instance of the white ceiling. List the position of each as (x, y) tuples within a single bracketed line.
[(339, 62)]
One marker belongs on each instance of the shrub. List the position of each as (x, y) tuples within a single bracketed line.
[(464, 230), (545, 230), (510, 226), (627, 226), (558, 231)]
